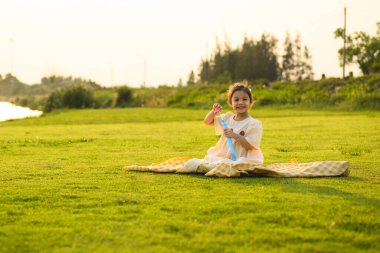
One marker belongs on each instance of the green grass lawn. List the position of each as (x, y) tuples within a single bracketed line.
[(63, 187)]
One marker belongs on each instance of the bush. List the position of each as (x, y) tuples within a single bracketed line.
[(54, 101), (77, 96), (124, 97)]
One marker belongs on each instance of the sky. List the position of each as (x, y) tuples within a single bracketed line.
[(129, 42)]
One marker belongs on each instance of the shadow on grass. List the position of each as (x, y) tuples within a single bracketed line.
[(305, 186), (297, 185), (302, 188)]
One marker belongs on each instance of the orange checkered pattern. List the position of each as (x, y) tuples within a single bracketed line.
[(312, 169), (224, 169), (239, 169), (168, 166)]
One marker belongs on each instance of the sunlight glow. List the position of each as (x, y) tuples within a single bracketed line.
[(110, 41)]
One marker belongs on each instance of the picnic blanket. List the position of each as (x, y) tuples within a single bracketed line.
[(243, 168)]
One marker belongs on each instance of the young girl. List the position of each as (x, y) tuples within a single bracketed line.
[(244, 130)]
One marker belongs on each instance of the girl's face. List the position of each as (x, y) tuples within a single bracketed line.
[(240, 102)]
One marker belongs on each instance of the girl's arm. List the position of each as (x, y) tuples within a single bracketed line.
[(209, 119), (238, 138)]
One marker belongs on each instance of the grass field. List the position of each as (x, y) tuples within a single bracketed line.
[(63, 187)]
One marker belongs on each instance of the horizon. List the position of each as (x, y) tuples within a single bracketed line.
[(113, 42)]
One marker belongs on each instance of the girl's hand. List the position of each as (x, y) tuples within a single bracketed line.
[(216, 108), (229, 132)]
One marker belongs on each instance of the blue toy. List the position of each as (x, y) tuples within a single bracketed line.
[(229, 141)]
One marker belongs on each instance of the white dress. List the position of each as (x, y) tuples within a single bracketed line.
[(250, 128)]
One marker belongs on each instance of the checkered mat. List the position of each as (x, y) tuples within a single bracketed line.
[(242, 168)]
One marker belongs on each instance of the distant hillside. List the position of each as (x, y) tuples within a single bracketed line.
[(10, 86)]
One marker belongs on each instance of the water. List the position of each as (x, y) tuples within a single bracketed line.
[(11, 111)]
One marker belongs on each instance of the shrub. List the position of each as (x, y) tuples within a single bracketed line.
[(77, 96), (54, 101), (124, 96)]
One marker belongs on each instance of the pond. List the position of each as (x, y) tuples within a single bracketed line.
[(10, 111)]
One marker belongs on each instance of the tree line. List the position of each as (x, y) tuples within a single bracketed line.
[(256, 60)]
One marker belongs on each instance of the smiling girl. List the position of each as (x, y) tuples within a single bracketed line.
[(244, 130)]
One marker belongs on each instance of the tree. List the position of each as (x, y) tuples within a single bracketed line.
[(204, 71), (245, 64), (361, 49), (78, 96), (296, 61), (288, 62), (307, 66), (191, 79), (124, 96), (54, 101), (230, 57), (266, 63), (217, 65)]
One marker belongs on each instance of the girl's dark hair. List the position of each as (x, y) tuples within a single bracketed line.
[(239, 87)]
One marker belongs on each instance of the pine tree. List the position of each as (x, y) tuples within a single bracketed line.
[(266, 58), (244, 66), (298, 60), (204, 71), (308, 68), (288, 64), (191, 79)]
